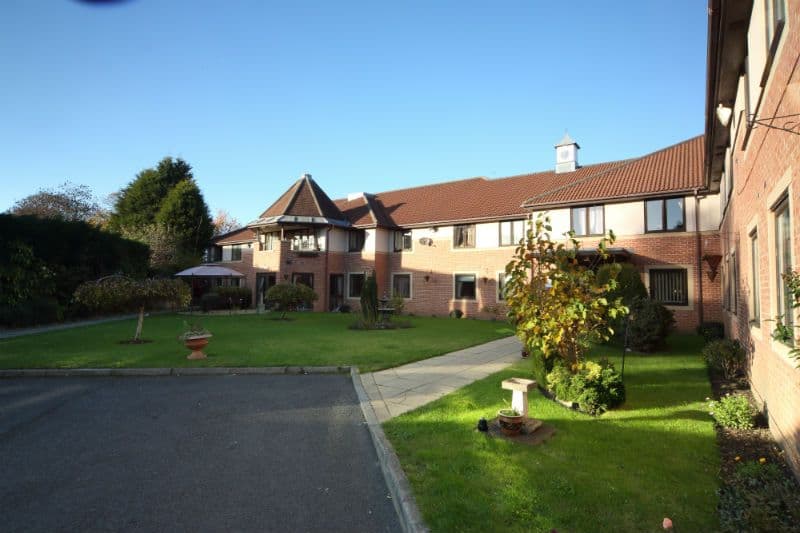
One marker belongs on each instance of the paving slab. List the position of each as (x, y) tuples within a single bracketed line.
[(395, 391)]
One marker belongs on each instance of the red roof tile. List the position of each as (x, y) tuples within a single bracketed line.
[(670, 170), (304, 198), (237, 235)]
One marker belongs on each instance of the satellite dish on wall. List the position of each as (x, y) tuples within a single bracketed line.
[(426, 241)]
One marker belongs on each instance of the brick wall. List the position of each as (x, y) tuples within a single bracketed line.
[(766, 166)]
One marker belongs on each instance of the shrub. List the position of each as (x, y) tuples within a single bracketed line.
[(726, 356), (210, 301), (629, 287), (235, 297), (72, 252), (595, 387), (711, 330), (369, 299), (759, 498), (733, 411), (456, 313), (650, 323), (289, 296), (36, 311), (398, 304)]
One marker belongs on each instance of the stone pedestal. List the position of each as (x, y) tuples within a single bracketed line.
[(519, 396)]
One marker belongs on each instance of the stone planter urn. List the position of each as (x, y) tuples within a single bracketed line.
[(510, 421), (196, 345)]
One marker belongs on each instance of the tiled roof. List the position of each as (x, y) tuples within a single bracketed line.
[(469, 199), (304, 198), (365, 211), (674, 169), (237, 235)]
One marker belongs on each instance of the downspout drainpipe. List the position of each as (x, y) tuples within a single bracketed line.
[(699, 257), (327, 274)]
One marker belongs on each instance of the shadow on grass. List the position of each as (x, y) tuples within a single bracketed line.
[(622, 471)]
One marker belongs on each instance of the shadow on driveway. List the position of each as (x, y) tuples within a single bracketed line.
[(205, 453)]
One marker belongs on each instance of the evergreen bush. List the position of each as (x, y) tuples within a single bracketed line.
[(650, 323)]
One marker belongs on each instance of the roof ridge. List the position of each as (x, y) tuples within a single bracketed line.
[(310, 183), (419, 187), (623, 163)]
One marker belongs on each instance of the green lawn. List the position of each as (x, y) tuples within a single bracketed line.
[(626, 470), (308, 339)]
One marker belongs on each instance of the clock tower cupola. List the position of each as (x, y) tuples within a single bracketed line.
[(566, 154)]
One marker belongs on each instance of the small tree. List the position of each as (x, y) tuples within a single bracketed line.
[(288, 296), (557, 303), (67, 202), (118, 293), (369, 299)]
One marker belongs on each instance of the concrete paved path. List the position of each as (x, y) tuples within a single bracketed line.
[(394, 391)]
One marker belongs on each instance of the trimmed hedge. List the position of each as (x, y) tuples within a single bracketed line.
[(72, 252)]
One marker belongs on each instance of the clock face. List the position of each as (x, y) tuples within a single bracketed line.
[(564, 155)]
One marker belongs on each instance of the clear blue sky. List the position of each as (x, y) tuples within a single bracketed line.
[(365, 96)]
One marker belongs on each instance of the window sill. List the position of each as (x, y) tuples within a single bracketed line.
[(657, 231)]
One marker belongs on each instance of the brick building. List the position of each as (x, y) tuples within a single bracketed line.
[(445, 246), (752, 158)]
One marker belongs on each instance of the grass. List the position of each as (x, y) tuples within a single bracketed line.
[(308, 339), (626, 470)]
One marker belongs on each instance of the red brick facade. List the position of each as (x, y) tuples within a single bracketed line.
[(764, 168)]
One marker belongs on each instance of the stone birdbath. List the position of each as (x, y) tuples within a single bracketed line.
[(512, 420)]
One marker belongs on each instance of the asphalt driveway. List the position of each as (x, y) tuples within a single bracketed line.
[(202, 453)]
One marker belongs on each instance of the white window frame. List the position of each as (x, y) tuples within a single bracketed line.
[(475, 274), (410, 284)]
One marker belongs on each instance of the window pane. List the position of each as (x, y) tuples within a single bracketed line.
[(756, 290), (501, 286), (465, 286), (519, 230), (304, 278), (579, 220), (464, 236), (407, 240), (674, 214), (655, 220), (784, 262), (669, 286), (506, 234), (356, 285), (401, 285), (596, 220), (356, 241), (236, 252)]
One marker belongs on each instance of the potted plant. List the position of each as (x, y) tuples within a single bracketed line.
[(510, 421), (195, 337)]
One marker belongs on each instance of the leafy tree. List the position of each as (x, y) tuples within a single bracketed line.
[(369, 299), (289, 296), (163, 207), (166, 254), (557, 303), (118, 293), (184, 214), (224, 222), (67, 202), (140, 201)]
